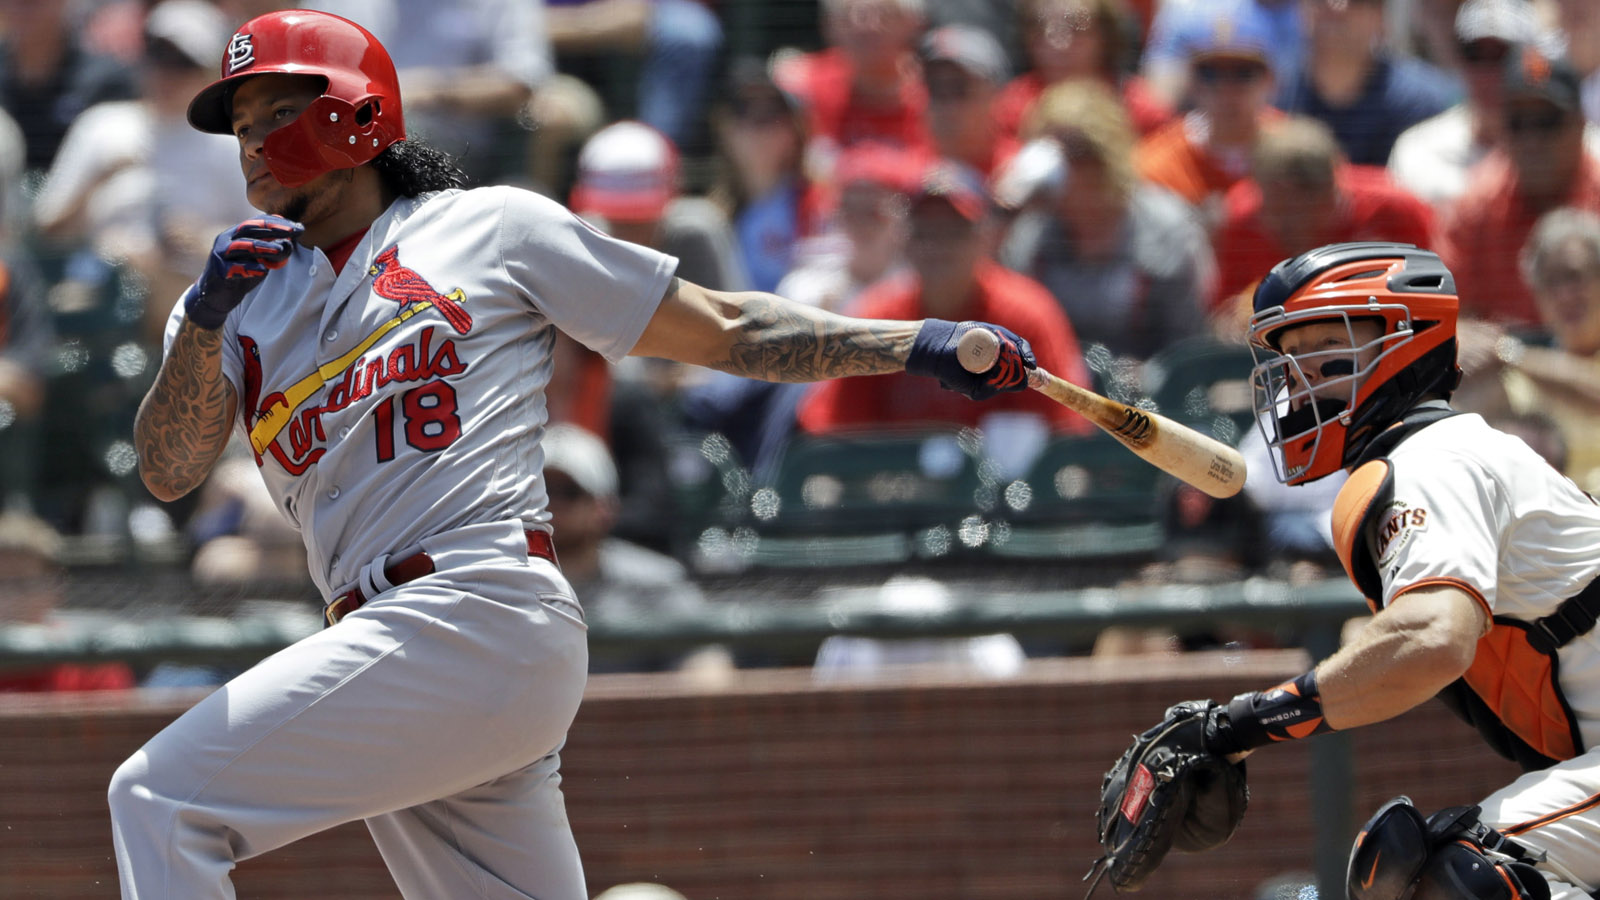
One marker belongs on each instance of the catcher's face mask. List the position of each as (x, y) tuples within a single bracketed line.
[(1310, 371), (1328, 381)]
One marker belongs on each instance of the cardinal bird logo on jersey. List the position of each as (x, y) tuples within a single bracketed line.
[(362, 370), (404, 286)]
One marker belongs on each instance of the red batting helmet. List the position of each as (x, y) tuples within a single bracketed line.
[(1322, 404), (357, 116)]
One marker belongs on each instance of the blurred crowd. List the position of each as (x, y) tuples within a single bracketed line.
[(1107, 177)]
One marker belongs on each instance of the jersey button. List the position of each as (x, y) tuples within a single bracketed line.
[(334, 563), (344, 432), (333, 494), (332, 335)]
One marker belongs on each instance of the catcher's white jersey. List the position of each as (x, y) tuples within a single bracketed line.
[(403, 396), (1478, 508)]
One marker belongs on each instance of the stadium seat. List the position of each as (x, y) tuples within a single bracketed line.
[(1204, 383), (867, 498), (100, 368), (1083, 498)]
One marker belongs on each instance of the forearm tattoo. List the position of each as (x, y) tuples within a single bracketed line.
[(780, 340), (183, 423)]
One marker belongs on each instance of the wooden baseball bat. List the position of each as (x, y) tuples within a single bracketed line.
[(1182, 452)]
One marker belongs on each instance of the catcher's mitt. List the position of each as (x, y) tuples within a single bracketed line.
[(1167, 791)]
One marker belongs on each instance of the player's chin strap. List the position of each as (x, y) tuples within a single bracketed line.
[(1451, 855)]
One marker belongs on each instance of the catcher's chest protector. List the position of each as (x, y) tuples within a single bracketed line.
[(1515, 672)]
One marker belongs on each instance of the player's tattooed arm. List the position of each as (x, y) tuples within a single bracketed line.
[(183, 424), (767, 337), (780, 340)]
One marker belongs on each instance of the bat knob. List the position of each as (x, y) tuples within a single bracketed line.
[(978, 350)]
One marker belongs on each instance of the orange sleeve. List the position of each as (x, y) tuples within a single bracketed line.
[(1467, 588), (1161, 159)]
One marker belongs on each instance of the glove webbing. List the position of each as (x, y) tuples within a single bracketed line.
[(1102, 864)]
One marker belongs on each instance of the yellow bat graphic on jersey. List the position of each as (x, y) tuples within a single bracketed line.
[(273, 420)]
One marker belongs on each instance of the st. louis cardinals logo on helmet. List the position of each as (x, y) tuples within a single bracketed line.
[(241, 53), (1393, 343)]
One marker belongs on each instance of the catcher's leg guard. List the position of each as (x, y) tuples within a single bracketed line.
[(1448, 856)]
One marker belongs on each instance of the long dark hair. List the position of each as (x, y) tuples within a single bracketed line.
[(411, 167)]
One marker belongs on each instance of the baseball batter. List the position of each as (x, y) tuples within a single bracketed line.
[(382, 340), (1479, 561)]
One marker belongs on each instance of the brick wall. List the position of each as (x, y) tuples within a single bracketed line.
[(775, 789)]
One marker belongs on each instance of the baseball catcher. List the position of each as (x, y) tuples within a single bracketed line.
[(1479, 562)]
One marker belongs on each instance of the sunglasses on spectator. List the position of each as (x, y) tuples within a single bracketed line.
[(760, 112), (949, 87), (1228, 73), (1485, 52), (1555, 277), (864, 205), (1541, 121)]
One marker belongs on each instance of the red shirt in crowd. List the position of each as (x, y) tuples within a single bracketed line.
[(1484, 234), (824, 81), (1145, 109), (1371, 208), (1005, 147), (68, 677), (999, 296)]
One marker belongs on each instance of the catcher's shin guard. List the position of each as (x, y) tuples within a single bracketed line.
[(1449, 856)]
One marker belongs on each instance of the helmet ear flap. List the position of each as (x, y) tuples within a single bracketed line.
[(330, 133)]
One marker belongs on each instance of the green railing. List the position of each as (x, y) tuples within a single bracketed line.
[(778, 619)]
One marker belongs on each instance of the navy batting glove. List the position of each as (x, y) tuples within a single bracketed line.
[(934, 354), (239, 261)]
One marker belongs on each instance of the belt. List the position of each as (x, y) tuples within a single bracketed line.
[(417, 565)]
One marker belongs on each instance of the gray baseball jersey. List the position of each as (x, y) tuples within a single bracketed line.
[(397, 405), (404, 396)]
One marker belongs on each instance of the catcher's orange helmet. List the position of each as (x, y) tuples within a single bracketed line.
[(358, 114), (1319, 403)]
